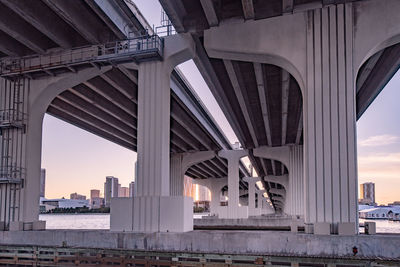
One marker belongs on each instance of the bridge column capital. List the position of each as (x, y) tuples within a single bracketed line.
[(180, 163)]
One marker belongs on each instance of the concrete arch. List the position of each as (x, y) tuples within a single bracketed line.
[(281, 154), (278, 33), (382, 20)]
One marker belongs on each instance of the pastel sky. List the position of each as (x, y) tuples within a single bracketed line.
[(77, 161)]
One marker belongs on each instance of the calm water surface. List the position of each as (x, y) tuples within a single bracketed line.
[(102, 221)]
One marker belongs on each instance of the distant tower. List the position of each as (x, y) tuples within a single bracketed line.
[(367, 193), (94, 193), (42, 182), (110, 189)]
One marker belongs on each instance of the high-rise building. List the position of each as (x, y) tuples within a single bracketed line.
[(367, 193), (94, 193), (110, 189), (123, 191), (95, 200), (77, 196), (131, 189), (42, 182)]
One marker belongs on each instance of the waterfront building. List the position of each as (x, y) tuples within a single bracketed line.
[(110, 189), (94, 193), (123, 191), (77, 196), (367, 193), (384, 212), (96, 202), (395, 203), (42, 182), (64, 203)]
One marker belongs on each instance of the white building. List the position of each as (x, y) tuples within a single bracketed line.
[(110, 189), (379, 212), (64, 203), (367, 193)]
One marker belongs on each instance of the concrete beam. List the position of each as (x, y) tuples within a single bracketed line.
[(51, 25), (276, 191), (209, 11), (285, 103), (22, 31), (238, 92), (11, 47), (89, 119), (111, 23), (283, 180), (263, 102), (104, 104), (227, 42), (58, 113), (299, 128), (276, 153), (183, 118), (103, 88), (248, 9), (74, 100), (287, 6), (87, 25)]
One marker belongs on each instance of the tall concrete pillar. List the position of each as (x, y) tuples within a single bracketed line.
[(295, 190), (153, 208), (252, 209), (233, 210), (330, 119)]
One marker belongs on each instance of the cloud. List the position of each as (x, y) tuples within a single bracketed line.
[(379, 140), (385, 158)]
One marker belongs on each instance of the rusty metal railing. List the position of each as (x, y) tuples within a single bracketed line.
[(149, 47)]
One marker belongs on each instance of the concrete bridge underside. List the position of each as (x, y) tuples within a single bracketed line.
[(271, 64), (285, 73)]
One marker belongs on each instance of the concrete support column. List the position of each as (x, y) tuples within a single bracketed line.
[(215, 185), (180, 163), (154, 209), (233, 209), (295, 190), (330, 120), (253, 211)]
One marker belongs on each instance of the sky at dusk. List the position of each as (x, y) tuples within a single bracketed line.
[(77, 161)]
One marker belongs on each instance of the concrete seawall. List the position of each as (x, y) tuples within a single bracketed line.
[(229, 242)]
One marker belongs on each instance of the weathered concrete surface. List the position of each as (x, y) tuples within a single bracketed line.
[(235, 242), (256, 221)]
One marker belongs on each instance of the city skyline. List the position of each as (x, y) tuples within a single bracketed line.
[(378, 141)]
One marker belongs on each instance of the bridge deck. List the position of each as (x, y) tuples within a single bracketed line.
[(284, 244)]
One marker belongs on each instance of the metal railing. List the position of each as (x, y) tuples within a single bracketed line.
[(37, 255), (11, 174), (136, 49)]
